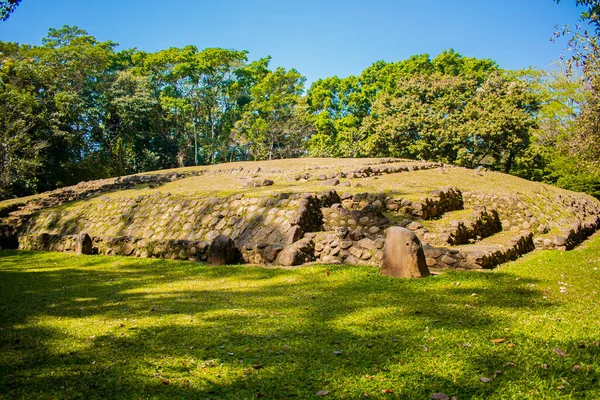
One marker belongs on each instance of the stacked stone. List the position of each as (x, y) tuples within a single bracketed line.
[(161, 216), (120, 246), (369, 220), (580, 207), (368, 171), (389, 169), (569, 236), (440, 202), (17, 215), (514, 214), (485, 223), (478, 257)]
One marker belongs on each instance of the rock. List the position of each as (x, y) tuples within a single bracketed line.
[(346, 244), (294, 234), (374, 229), (342, 232), (83, 244), (290, 256), (128, 249), (446, 259), (331, 182), (266, 182), (356, 235), (413, 226), (366, 243), (403, 255), (271, 252), (222, 251), (431, 262), (560, 240), (304, 245)]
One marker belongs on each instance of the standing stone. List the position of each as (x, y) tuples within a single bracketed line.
[(7, 239), (83, 244), (222, 251), (403, 255)]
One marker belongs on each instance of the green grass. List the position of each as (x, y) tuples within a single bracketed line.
[(112, 327)]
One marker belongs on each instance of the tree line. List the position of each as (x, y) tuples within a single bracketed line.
[(74, 109)]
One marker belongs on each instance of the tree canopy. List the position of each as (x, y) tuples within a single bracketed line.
[(75, 108)]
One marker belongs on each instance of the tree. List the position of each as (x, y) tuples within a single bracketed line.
[(132, 112), (337, 107), (585, 45), (340, 106), (200, 91), (19, 150), (569, 156), (7, 7), (497, 124), (452, 119), (274, 124)]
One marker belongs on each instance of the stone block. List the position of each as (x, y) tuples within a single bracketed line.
[(290, 256), (222, 251), (403, 255), (83, 244)]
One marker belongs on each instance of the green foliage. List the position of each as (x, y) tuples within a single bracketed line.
[(414, 108), (453, 119), (7, 7), (19, 152), (274, 124), (584, 139), (77, 109)]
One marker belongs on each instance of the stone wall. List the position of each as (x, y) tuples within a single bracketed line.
[(570, 236), (478, 257), (552, 228), (162, 216), (514, 214), (483, 224), (370, 220), (439, 202), (120, 246), (372, 169), (289, 229)]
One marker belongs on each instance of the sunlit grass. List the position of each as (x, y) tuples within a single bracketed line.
[(113, 327)]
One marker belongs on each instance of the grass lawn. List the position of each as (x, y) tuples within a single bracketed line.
[(113, 327)]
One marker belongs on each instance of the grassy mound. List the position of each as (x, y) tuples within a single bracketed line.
[(115, 327)]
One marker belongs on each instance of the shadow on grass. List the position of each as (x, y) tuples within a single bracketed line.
[(106, 327)]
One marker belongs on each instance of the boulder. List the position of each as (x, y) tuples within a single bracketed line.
[(270, 252), (331, 182), (290, 256), (128, 249), (222, 251), (403, 255), (294, 234), (83, 244), (8, 240)]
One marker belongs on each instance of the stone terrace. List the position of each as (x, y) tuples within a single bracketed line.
[(291, 212)]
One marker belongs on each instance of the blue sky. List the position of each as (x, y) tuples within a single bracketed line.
[(318, 38)]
